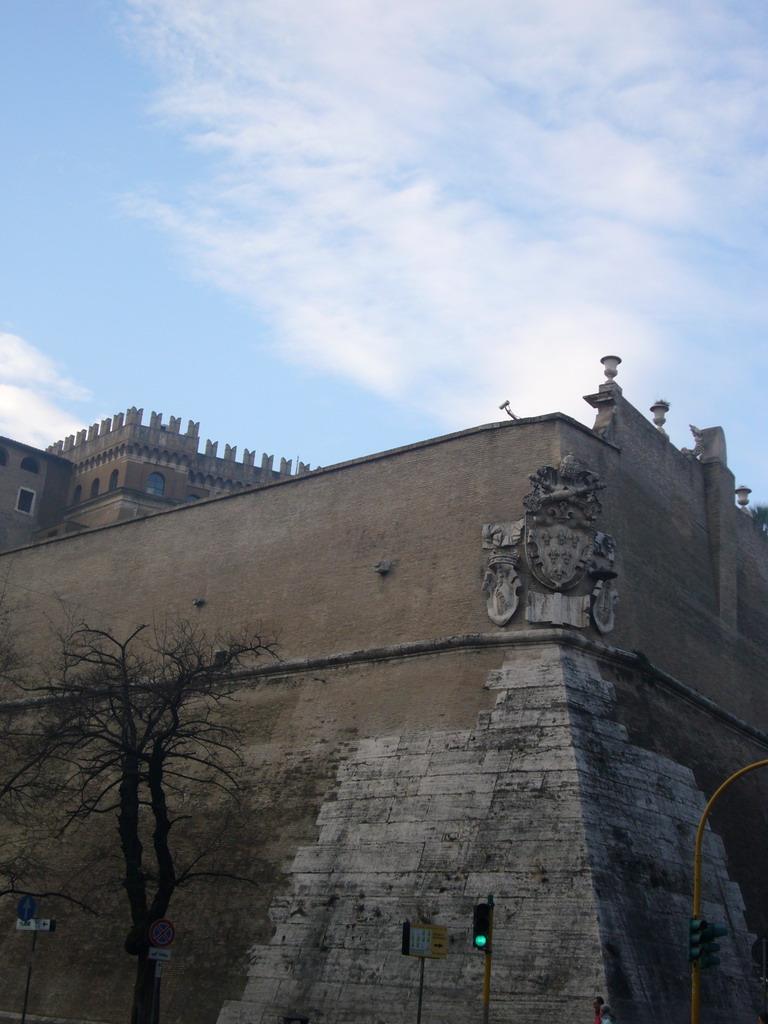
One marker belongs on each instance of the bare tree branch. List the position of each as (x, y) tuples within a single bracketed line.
[(128, 726)]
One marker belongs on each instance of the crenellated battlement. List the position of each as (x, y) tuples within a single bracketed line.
[(118, 424), (128, 428)]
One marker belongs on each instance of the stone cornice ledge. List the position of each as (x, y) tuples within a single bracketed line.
[(478, 642), (522, 638)]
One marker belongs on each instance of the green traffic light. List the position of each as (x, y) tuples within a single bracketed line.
[(481, 926)]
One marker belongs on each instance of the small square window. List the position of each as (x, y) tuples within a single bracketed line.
[(25, 500)]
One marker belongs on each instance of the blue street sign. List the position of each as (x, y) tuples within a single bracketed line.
[(26, 908)]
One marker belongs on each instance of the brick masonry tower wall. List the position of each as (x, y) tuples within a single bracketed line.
[(299, 555)]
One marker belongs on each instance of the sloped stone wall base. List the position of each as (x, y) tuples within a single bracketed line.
[(584, 840)]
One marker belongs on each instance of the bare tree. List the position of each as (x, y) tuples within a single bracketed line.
[(129, 726)]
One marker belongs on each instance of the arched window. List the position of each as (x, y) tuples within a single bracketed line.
[(78, 494), (95, 487), (156, 483), (113, 479), (3, 457), (30, 464)]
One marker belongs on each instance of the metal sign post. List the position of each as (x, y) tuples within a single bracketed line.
[(428, 942), (29, 978), (27, 922), (161, 934)]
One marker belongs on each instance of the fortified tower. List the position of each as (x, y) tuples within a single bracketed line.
[(116, 470), (123, 469)]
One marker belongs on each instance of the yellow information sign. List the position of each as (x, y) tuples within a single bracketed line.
[(428, 940)]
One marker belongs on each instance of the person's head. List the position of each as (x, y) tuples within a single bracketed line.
[(597, 1002)]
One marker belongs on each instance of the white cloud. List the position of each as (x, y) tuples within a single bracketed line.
[(429, 196), (31, 388)]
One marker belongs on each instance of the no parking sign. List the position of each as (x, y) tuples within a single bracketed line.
[(161, 933)]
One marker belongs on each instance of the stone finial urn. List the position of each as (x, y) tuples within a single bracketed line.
[(660, 408), (610, 366), (742, 496)]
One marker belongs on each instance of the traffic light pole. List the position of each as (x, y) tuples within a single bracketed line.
[(695, 964), (487, 971)]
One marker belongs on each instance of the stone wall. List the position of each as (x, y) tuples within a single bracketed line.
[(299, 555), (584, 838), (411, 756), (563, 777)]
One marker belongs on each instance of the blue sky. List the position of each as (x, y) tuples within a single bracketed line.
[(327, 229)]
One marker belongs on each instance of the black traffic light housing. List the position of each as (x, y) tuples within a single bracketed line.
[(481, 926), (695, 927), (701, 942), (709, 947)]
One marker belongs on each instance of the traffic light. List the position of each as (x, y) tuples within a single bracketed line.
[(701, 942), (695, 927), (481, 926), (709, 947)]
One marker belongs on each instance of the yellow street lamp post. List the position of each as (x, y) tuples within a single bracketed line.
[(696, 964)]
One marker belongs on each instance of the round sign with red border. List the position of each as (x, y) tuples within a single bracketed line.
[(161, 933)]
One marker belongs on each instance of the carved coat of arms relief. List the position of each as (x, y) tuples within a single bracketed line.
[(563, 552), (560, 513), (502, 586)]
